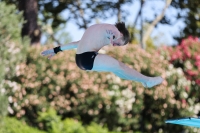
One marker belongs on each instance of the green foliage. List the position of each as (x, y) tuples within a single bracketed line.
[(72, 126), (53, 124), (4, 105), (50, 120), (57, 35), (135, 38), (134, 34), (189, 12), (102, 98), (11, 125), (82, 13), (12, 49), (94, 128)]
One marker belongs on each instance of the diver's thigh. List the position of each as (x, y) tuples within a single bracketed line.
[(104, 62)]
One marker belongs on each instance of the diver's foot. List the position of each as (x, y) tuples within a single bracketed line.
[(153, 81)]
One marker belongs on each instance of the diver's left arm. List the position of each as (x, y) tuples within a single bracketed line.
[(51, 52)]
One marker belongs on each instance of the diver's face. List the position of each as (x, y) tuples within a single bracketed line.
[(119, 41)]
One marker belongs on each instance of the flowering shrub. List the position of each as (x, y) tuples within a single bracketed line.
[(12, 50), (187, 54), (99, 97), (187, 57)]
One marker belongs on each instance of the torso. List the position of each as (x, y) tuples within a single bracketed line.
[(95, 38)]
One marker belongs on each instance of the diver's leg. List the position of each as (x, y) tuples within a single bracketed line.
[(106, 63)]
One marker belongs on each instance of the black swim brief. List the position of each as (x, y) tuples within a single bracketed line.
[(85, 60)]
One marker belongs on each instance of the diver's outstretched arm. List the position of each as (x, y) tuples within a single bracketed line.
[(51, 52), (69, 46)]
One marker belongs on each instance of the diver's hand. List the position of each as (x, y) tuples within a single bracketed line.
[(50, 53)]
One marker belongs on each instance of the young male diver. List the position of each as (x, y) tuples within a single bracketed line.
[(88, 58)]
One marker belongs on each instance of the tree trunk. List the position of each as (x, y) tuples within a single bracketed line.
[(157, 19), (30, 27), (142, 45)]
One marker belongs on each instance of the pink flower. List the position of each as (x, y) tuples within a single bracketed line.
[(190, 38), (192, 73), (174, 57), (193, 38), (187, 53), (183, 42), (189, 77), (197, 63), (196, 39), (183, 101), (188, 41), (197, 57), (197, 81), (187, 88)]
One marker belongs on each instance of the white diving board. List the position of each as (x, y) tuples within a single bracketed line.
[(189, 121)]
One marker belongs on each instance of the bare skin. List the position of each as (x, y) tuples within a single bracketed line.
[(98, 36)]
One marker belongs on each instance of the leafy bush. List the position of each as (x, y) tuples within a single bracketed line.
[(53, 124), (4, 106), (12, 50), (11, 125), (102, 98)]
